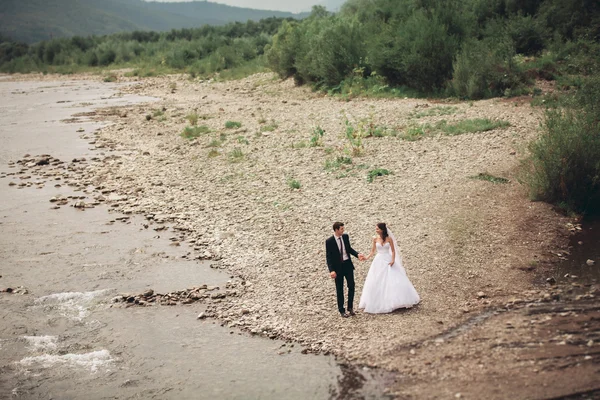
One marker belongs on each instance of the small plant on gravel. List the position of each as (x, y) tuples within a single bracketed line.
[(222, 137), (233, 124), (192, 118), (299, 145), (158, 113), (337, 163), (214, 143), (490, 178), (470, 126), (192, 132), (316, 138), (354, 137), (213, 153), (242, 140), (236, 155), (294, 184), (110, 78), (372, 174), (270, 127), (262, 120)]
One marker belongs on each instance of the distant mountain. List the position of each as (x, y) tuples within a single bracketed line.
[(35, 20)]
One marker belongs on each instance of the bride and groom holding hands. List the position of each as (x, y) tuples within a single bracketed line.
[(386, 287)]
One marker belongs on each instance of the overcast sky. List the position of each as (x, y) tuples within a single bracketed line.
[(281, 5)]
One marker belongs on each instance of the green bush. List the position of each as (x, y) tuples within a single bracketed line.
[(481, 71), (192, 132), (528, 34), (233, 124), (372, 174), (316, 138), (417, 52), (564, 165), (294, 184)]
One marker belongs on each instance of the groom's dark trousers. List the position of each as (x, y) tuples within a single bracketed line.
[(343, 270)]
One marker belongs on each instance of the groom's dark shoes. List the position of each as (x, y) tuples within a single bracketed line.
[(351, 313), (344, 315)]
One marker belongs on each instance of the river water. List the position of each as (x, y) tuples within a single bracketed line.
[(63, 339)]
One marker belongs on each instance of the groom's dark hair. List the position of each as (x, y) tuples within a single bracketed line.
[(337, 225)]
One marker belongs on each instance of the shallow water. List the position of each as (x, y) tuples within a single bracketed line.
[(66, 339)]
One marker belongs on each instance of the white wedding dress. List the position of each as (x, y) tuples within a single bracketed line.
[(387, 287)]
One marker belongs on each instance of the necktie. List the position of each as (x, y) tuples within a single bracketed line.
[(341, 249)]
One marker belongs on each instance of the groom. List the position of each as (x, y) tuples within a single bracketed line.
[(338, 251)]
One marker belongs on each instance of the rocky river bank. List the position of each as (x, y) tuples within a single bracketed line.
[(479, 252)]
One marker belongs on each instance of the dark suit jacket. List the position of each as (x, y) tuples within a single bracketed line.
[(334, 260)]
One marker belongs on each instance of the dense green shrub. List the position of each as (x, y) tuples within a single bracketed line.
[(528, 34), (482, 71), (564, 166), (417, 52), (285, 49)]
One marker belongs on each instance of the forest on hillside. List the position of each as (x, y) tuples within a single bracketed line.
[(32, 21)]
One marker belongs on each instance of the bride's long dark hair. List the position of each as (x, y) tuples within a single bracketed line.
[(384, 232)]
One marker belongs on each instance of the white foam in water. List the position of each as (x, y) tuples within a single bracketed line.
[(74, 305), (91, 361), (41, 343)]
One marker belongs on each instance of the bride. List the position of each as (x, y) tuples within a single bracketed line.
[(387, 287)]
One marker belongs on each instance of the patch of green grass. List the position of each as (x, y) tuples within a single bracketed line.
[(236, 155), (192, 132), (213, 153), (337, 163), (372, 174), (413, 133), (214, 143), (233, 124), (222, 136), (110, 78), (242, 140), (437, 111), (470, 126), (550, 100), (270, 127), (482, 176), (146, 72), (294, 184), (158, 113), (299, 145), (254, 66), (192, 118)]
